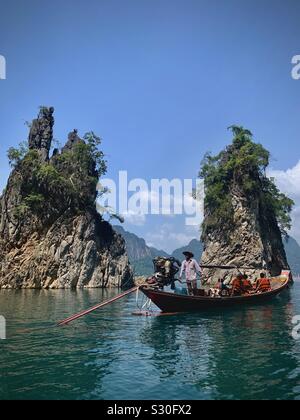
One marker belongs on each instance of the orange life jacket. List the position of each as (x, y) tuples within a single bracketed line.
[(237, 285), (264, 285), (247, 285)]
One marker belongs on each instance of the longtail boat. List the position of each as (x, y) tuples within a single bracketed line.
[(169, 302)]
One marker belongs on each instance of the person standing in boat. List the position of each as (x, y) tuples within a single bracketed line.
[(190, 267)]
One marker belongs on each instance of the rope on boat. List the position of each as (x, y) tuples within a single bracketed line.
[(145, 304), (94, 308)]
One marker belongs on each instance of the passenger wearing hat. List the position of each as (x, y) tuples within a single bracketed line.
[(190, 267)]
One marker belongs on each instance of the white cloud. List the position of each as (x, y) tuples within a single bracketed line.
[(166, 238), (289, 183), (136, 219)]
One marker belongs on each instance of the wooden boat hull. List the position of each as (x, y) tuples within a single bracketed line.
[(171, 302)]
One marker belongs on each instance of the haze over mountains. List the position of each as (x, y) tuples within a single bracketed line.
[(141, 255)]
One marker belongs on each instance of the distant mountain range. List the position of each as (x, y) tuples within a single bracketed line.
[(292, 250), (194, 246), (141, 255), (137, 248)]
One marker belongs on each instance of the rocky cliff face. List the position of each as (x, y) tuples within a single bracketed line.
[(242, 226), (255, 242), (50, 233), (41, 132)]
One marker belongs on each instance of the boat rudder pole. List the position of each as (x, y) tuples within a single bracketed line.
[(94, 308)]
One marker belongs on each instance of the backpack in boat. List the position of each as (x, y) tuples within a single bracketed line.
[(166, 269)]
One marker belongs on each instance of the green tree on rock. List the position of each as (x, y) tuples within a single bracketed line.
[(241, 167)]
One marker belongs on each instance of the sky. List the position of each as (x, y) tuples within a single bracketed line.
[(160, 82)]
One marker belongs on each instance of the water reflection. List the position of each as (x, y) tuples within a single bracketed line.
[(244, 353)]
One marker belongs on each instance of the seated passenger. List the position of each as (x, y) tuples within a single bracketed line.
[(247, 285), (223, 288), (237, 286), (263, 284)]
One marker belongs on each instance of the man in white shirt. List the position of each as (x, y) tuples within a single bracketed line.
[(190, 267)]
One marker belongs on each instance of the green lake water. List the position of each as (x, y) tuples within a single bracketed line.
[(244, 353)]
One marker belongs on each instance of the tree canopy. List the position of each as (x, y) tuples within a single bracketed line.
[(67, 180)]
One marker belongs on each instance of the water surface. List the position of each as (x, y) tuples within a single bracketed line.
[(244, 353)]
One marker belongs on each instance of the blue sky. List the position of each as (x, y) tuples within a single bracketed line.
[(160, 81)]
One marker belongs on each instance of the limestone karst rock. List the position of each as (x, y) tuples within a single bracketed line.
[(51, 235), (41, 132), (244, 212), (73, 139)]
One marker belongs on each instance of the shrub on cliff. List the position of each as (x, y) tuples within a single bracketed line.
[(16, 154), (68, 180)]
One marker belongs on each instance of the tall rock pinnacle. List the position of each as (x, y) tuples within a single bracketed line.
[(41, 132), (51, 235), (245, 213)]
